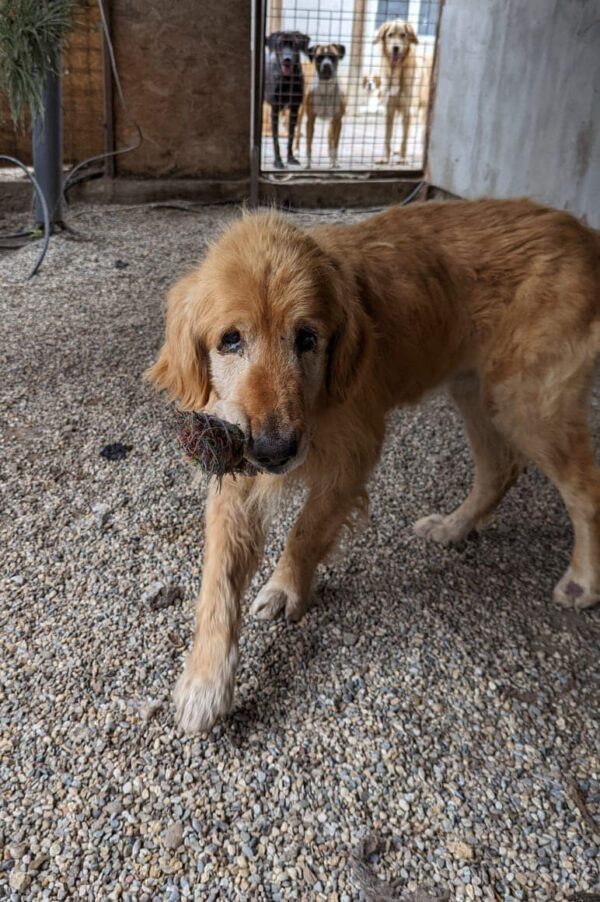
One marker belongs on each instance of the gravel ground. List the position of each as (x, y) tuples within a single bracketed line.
[(429, 731)]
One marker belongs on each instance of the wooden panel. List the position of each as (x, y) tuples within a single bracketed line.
[(185, 70)]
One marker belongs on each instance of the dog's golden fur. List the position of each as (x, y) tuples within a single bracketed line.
[(497, 300)]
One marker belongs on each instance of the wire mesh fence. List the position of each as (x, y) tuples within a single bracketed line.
[(346, 85)]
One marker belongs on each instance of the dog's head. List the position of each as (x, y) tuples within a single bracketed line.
[(326, 58), (267, 334), (395, 38), (287, 47), (371, 83)]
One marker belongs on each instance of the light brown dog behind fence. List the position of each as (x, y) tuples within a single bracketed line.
[(308, 339), (405, 81)]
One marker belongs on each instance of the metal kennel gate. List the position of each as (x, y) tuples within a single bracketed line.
[(351, 75)]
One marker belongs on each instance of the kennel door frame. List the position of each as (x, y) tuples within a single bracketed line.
[(296, 178), (257, 53)]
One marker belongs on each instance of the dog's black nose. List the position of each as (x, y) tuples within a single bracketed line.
[(274, 451)]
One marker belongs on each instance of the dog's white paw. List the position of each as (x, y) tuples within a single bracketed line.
[(574, 592), (200, 700), (273, 600), (440, 529)]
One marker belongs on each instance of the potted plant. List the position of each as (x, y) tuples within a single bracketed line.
[(31, 37)]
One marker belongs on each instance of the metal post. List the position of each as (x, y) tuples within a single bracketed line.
[(356, 52), (47, 151), (256, 88)]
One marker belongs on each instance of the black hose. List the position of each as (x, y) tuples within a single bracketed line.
[(44, 205)]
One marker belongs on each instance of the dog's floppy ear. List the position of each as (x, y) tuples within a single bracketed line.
[(412, 37), (381, 33), (311, 52), (349, 348), (303, 42), (273, 40), (182, 365), (341, 51)]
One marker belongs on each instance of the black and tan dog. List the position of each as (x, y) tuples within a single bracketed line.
[(284, 85), (324, 98)]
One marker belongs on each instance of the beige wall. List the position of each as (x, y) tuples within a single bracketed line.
[(185, 70)]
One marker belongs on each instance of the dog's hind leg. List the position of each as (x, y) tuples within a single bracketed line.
[(552, 430), (497, 466)]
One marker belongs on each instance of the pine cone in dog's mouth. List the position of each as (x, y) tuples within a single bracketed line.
[(215, 445)]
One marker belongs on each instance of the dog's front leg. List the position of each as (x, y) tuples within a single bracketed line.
[(389, 130), (309, 542), (335, 128), (292, 161), (234, 541), (406, 126), (310, 130), (275, 131)]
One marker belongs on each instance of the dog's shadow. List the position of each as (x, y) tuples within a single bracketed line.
[(488, 595)]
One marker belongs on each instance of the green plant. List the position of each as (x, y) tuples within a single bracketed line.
[(31, 35)]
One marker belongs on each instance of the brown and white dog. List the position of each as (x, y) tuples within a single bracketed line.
[(324, 99), (403, 76), (307, 339)]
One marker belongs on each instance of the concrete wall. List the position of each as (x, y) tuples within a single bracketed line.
[(517, 109), (185, 71)]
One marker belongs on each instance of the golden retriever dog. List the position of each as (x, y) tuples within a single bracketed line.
[(405, 79), (307, 339)]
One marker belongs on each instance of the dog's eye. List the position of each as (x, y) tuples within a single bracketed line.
[(231, 341), (306, 340)]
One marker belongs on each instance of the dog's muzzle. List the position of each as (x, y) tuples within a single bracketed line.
[(273, 451), (287, 64), (326, 70)]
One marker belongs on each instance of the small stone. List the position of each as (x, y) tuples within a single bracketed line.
[(113, 808), (172, 837), (19, 881), (349, 639), (17, 851), (146, 709), (38, 863), (159, 595), (101, 514), (461, 850)]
